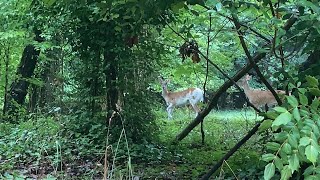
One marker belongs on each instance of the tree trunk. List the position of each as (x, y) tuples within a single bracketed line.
[(19, 88), (111, 83)]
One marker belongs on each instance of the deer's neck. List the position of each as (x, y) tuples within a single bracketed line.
[(164, 91), (246, 88)]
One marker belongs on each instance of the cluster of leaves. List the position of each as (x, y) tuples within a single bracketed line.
[(295, 148), (31, 143)]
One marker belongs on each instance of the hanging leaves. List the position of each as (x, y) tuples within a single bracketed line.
[(190, 49)]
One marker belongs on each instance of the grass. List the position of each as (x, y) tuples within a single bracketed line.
[(190, 159), (45, 146)]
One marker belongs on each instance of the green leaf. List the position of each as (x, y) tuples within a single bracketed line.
[(272, 114), (292, 101), (309, 170), (302, 90), (117, 28), (292, 141), (282, 136), (286, 172), (49, 2), (315, 104), (312, 81), (294, 163), (278, 163), (211, 2), (296, 114), (287, 148), (266, 124), (303, 99), (304, 141), (311, 153), (282, 119), (273, 146), (269, 171), (314, 91), (268, 157), (280, 109)]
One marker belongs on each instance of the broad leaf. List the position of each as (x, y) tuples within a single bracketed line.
[(286, 172), (272, 114), (296, 114), (315, 104), (312, 81), (278, 162), (49, 2), (211, 2), (266, 124), (280, 109), (287, 148), (294, 163), (268, 157), (303, 99), (292, 141), (282, 119), (282, 136), (292, 101), (273, 146), (269, 171), (304, 141), (311, 153), (314, 91)]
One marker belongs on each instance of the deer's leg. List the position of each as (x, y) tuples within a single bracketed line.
[(196, 109), (169, 110)]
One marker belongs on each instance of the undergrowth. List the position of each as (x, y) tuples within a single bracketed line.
[(59, 147)]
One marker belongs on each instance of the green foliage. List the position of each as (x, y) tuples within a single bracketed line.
[(72, 76), (29, 142), (296, 142)]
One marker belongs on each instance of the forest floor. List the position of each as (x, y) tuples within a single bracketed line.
[(189, 159)]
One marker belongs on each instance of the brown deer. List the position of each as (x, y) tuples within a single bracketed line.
[(190, 96), (258, 98)]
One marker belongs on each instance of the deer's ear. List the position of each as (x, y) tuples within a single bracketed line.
[(160, 78)]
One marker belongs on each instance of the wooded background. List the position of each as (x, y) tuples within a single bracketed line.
[(79, 76)]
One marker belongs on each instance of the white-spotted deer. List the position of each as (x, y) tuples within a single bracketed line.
[(259, 98), (190, 96)]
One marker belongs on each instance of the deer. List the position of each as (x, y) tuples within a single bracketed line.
[(257, 97), (190, 96)]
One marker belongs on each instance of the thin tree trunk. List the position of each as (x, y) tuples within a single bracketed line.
[(111, 83), (6, 84)]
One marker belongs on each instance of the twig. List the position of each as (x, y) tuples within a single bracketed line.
[(231, 169), (244, 25)]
